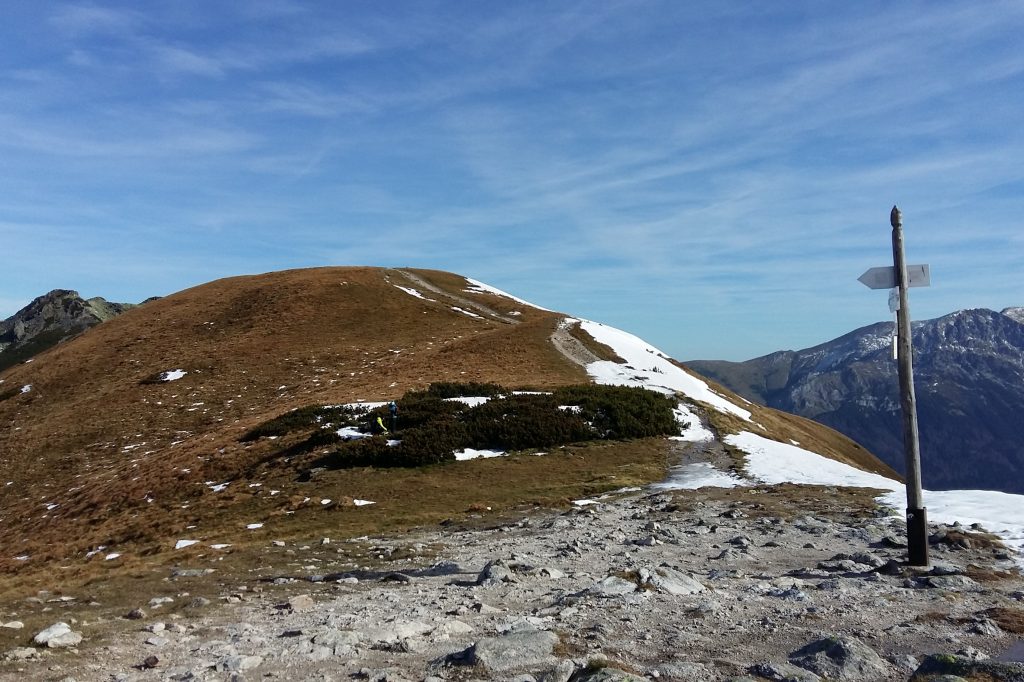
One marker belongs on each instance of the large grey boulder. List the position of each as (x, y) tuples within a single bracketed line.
[(522, 650), (969, 668), (841, 658)]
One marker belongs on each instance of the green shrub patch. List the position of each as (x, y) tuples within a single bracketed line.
[(304, 418), (430, 428)]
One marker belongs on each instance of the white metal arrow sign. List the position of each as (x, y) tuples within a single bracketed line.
[(885, 277)]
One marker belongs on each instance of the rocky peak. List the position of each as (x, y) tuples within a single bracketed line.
[(50, 319), (1016, 314)]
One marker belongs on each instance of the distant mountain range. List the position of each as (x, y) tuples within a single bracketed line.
[(969, 382), (50, 319)]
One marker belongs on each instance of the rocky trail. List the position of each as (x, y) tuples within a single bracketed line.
[(681, 585)]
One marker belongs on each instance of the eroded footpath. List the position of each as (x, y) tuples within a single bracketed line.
[(740, 584)]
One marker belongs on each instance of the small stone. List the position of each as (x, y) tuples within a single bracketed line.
[(198, 602), (613, 586), (986, 627), (300, 603), (21, 653), (150, 662), (191, 572), (495, 572), (135, 614), (239, 663), (13, 625), (155, 627), (157, 641), (278, 543)]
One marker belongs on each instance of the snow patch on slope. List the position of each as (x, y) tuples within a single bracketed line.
[(476, 287), (772, 462), (648, 367)]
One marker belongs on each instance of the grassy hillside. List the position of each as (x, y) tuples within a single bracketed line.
[(102, 452)]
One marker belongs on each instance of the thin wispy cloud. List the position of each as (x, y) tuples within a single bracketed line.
[(650, 164)]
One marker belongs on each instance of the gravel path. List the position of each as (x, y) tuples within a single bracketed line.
[(674, 586)]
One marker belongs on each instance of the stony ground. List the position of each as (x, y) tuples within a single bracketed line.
[(674, 586)]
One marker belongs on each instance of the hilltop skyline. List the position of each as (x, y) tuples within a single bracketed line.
[(712, 180)]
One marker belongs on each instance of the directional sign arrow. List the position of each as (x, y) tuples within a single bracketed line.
[(885, 277)]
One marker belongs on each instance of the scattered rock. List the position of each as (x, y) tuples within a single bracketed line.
[(668, 580), (496, 571), (783, 672), (191, 572), (514, 651), (607, 675), (299, 604), (613, 586), (481, 607), (238, 663), (21, 653), (13, 625), (951, 582), (967, 668), (841, 658), (58, 635)]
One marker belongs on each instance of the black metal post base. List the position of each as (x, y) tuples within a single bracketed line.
[(917, 536)]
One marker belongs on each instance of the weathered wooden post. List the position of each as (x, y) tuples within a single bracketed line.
[(917, 514), (901, 277)]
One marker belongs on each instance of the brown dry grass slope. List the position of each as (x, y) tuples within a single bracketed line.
[(98, 454), (95, 439)]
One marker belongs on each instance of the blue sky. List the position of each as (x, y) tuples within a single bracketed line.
[(710, 176)]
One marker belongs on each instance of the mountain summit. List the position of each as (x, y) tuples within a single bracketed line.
[(969, 382), (49, 320), (120, 435)]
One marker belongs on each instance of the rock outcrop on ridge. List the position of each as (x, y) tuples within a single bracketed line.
[(50, 319)]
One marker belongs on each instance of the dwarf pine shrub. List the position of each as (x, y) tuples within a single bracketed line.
[(431, 428), (303, 418), (518, 422), (622, 411)]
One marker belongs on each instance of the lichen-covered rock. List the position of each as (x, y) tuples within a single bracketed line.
[(935, 666), (841, 658), (521, 650)]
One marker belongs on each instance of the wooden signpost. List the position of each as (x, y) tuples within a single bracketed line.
[(901, 277)]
